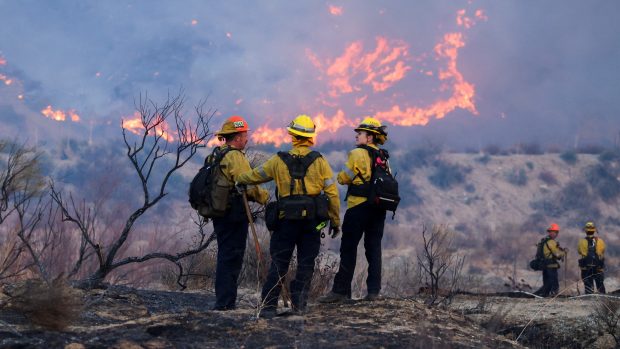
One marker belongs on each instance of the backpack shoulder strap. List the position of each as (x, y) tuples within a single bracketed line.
[(217, 155), (307, 160), (298, 166)]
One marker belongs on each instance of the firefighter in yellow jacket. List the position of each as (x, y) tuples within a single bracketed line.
[(361, 218), (232, 229), (302, 204), (592, 262), (552, 253)]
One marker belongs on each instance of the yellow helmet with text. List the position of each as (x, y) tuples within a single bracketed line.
[(302, 126)]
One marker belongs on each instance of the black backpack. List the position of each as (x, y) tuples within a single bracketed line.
[(382, 189), (539, 262), (209, 191), (302, 206), (591, 259)]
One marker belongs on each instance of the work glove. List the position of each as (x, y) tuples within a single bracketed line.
[(334, 231)]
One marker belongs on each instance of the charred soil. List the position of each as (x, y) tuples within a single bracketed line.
[(124, 317)]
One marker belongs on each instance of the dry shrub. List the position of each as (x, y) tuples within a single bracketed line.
[(496, 322), (53, 306), (606, 314), (254, 270), (199, 271), (548, 177), (325, 270)]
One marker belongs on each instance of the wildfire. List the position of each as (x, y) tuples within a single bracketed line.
[(7, 81), (354, 69), (134, 125), (363, 77), (335, 10), (264, 134), (60, 115), (467, 22)]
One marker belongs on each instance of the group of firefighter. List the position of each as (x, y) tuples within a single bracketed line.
[(361, 219), (316, 181), (591, 249)]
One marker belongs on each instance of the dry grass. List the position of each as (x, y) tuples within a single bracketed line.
[(606, 314), (53, 306)]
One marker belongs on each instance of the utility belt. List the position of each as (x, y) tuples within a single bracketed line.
[(361, 190), (587, 263), (297, 207)]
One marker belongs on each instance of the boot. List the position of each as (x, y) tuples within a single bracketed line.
[(267, 313), (333, 297), (371, 297)]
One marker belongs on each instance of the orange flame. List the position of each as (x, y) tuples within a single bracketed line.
[(468, 22), (134, 125), (335, 10), (462, 95), (60, 115), (381, 68), (358, 74), (264, 134), (7, 81)]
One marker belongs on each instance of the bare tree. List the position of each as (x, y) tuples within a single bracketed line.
[(167, 143), (437, 257)]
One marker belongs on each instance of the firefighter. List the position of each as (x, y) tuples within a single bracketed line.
[(361, 218), (552, 253), (592, 261), (232, 229), (296, 227)]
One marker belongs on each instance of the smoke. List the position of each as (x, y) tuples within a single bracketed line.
[(542, 71)]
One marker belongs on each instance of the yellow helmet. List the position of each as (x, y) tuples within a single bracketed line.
[(372, 125), (589, 228), (303, 126)]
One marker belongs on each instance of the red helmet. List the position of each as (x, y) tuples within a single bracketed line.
[(232, 125), (553, 227)]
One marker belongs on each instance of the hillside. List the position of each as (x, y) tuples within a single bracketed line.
[(497, 205)]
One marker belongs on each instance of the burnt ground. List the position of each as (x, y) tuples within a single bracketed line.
[(123, 317)]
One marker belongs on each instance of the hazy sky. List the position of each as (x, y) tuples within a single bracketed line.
[(474, 72)]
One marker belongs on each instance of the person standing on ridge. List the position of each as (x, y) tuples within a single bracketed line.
[(552, 253), (362, 217), (306, 196), (232, 230), (592, 261)]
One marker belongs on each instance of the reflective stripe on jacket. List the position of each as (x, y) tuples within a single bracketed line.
[(358, 163)]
